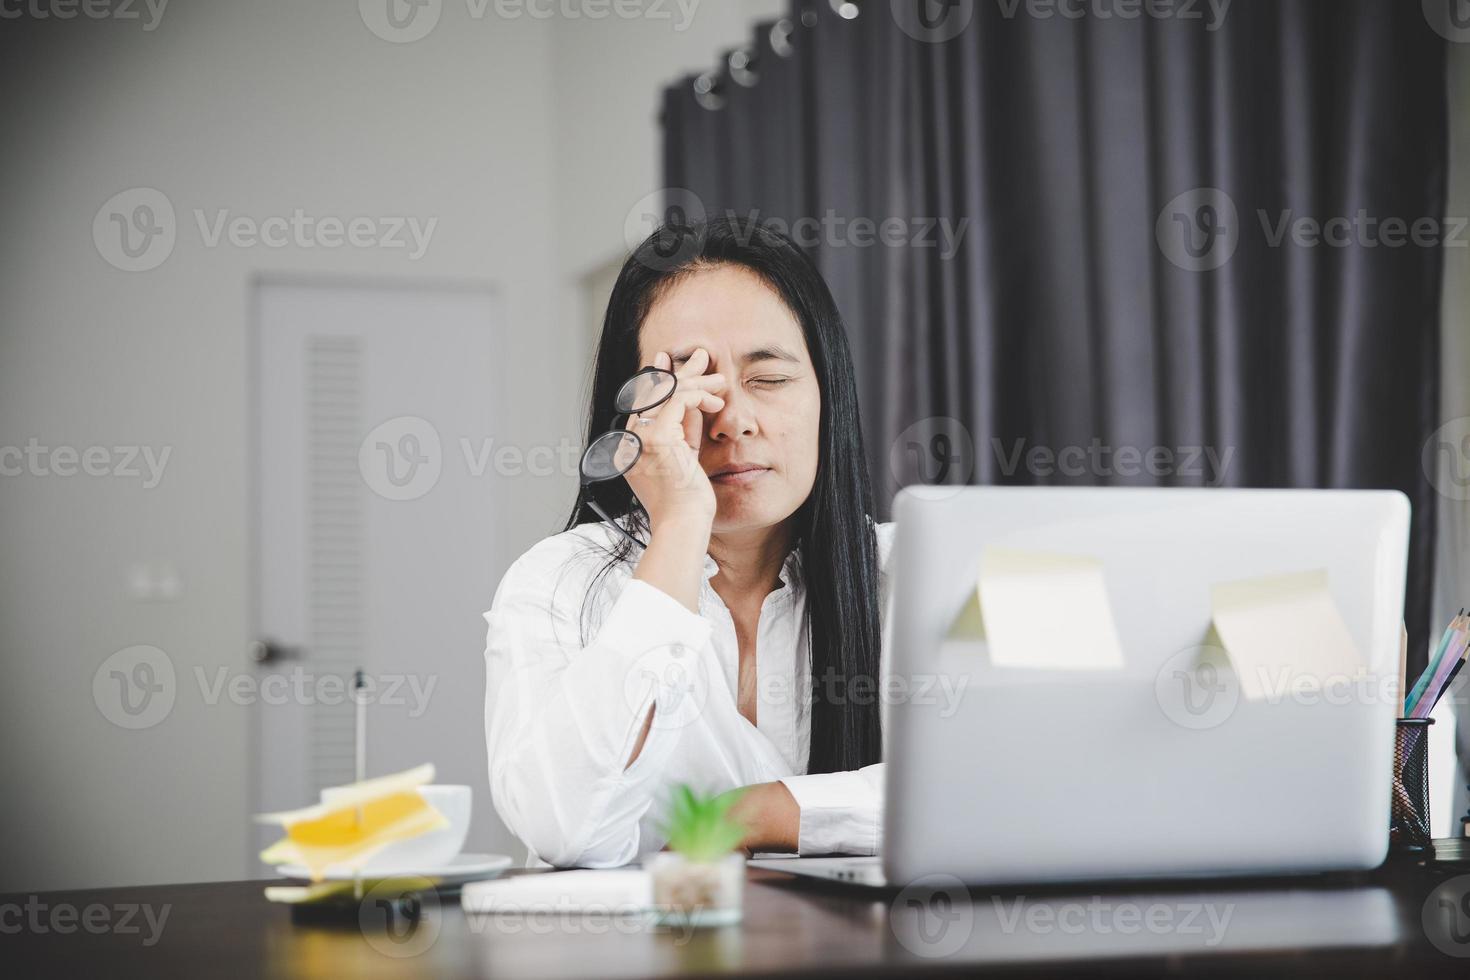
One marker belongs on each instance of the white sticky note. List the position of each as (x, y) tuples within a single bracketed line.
[(1041, 610), (1283, 633)]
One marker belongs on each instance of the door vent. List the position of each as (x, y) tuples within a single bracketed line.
[(334, 549)]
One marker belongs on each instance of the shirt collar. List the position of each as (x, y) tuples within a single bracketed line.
[(790, 568)]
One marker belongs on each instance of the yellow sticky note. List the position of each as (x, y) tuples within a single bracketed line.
[(1283, 632), (1042, 610), (355, 823), (970, 623)]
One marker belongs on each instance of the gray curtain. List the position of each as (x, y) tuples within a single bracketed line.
[(1119, 278)]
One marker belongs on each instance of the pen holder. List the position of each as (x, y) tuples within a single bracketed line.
[(1409, 827)]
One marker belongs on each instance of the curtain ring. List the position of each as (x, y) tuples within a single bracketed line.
[(709, 91), (743, 67), (781, 32)]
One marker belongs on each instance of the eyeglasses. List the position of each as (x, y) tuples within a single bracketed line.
[(617, 451)]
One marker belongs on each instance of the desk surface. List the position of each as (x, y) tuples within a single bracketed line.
[(1407, 918)]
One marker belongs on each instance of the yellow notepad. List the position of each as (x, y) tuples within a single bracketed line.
[(356, 822)]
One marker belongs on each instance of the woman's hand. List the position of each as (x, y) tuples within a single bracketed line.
[(667, 478), (771, 816)]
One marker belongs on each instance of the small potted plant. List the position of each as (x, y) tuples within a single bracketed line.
[(700, 879)]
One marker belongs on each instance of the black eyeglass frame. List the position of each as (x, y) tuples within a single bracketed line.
[(620, 441)]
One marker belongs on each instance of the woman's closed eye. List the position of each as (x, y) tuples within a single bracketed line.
[(770, 381)]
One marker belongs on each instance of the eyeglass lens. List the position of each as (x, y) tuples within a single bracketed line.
[(645, 390), (610, 455)]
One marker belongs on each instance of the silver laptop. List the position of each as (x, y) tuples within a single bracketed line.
[(1159, 768)]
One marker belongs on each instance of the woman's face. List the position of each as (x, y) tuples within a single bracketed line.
[(760, 452)]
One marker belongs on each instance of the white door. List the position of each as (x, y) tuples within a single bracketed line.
[(374, 550)]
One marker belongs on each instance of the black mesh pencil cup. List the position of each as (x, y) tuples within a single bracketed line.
[(1409, 826)]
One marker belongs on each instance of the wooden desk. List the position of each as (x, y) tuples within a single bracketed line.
[(1368, 925)]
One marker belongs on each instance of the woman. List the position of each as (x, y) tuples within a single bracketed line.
[(737, 644)]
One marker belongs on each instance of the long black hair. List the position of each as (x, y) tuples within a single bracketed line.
[(833, 528)]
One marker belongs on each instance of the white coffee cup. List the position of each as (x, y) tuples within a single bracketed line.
[(430, 851)]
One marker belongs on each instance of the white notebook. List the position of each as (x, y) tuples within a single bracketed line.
[(622, 891)]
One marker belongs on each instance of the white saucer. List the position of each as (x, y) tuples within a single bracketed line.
[(462, 868)]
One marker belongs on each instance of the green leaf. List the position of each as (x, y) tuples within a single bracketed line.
[(700, 827)]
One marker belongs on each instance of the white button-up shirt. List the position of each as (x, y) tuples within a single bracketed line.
[(563, 711)]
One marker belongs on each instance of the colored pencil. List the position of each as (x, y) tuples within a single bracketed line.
[(1453, 674), (1447, 663), (1438, 688), (1455, 626), (1403, 665)]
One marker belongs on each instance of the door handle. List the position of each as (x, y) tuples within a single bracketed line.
[(269, 651)]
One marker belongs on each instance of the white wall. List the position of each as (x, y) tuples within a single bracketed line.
[(527, 138), (609, 77)]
